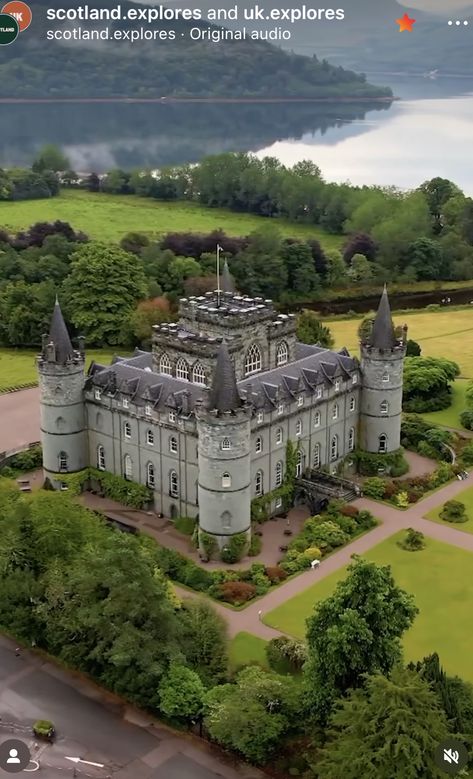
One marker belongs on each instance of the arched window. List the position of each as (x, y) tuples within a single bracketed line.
[(128, 467), (150, 475), (281, 354), (127, 430), (100, 458), (63, 458), (173, 484), (173, 445), (384, 406), (60, 423), (316, 461), (253, 360), (335, 411), (299, 427), (226, 480), (226, 520), (226, 444), (352, 404), (383, 443), (279, 435), (182, 370), (259, 445), (150, 437), (198, 374), (317, 419), (165, 365), (278, 474), (351, 439), (334, 448), (299, 462), (259, 483)]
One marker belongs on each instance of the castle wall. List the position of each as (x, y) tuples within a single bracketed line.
[(382, 382)]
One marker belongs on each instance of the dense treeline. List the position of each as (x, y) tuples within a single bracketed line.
[(24, 184)]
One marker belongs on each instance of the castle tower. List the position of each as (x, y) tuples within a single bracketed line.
[(382, 361), (223, 427), (61, 381)]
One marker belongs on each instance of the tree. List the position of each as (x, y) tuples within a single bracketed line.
[(134, 242), (181, 693), (93, 183), (413, 349), (336, 274), (310, 330), (360, 243), (259, 269), (356, 631), (388, 730), (116, 182), (204, 641), (146, 314), (437, 192), (360, 271), (50, 157), (102, 289), (424, 256), (302, 276), (427, 383)]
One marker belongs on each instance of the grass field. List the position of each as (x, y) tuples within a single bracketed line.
[(465, 497), (450, 417), (439, 333), (246, 648), (109, 217), (18, 367), (440, 579)]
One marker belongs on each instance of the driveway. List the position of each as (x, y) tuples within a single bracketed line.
[(19, 419)]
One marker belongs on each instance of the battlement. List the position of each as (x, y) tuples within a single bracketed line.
[(225, 309)]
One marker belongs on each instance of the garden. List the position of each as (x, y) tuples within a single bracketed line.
[(457, 513)]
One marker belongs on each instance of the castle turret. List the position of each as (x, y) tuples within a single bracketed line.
[(382, 360), (61, 381), (223, 426)]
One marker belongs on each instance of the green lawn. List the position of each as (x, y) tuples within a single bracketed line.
[(246, 648), (18, 366), (450, 417), (440, 579), (109, 217), (465, 497)]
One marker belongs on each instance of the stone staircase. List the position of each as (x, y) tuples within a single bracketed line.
[(322, 483)]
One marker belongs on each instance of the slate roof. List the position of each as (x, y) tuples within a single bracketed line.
[(59, 336), (382, 334), (223, 394)]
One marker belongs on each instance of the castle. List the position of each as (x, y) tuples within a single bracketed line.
[(204, 418)]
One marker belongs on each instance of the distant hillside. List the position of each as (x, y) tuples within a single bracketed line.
[(33, 67)]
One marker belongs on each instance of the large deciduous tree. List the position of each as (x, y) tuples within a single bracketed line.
[(310, 330)]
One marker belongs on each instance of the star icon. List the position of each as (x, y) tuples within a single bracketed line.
[(405, 23)]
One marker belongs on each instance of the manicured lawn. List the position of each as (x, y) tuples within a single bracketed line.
[(440, 579), (465, 497), (439, 333), (18, 366), (109, 217), (246, 648), (450, 417)]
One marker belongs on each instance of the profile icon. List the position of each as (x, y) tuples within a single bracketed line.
[(13, 756)]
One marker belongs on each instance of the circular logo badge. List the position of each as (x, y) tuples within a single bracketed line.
[(20, 11), (14, 754), (9, 29), (451, 756)]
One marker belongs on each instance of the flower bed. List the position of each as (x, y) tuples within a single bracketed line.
[(403, 493)]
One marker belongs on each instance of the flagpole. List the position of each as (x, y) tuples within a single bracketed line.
[(218, 274)]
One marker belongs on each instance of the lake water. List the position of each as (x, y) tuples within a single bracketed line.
[(427, 133)]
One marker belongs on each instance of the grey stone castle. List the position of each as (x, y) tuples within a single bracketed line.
[(204, 418)]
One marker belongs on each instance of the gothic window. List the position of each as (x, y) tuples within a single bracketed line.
[(226, 444), (352, 404), (334, 448), (279, 435), (316, 461), (259, 483), (384, 407), (226, 520), (335, 411), (150, 481), (128, 467), (299, 463), (278, 474), (150, 437), (351, 439), (259, 445), (226, 480), (165, 365), (100, 458), (298, 427), (63, 458), (173, 484), (383, 443), (317, 419), (173, 445), (282, 353), (127, 430), (198, 374), (182, 370), (148, 410), (253, 360)]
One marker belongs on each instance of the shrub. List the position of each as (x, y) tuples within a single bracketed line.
[(454, 511), (467, 454), (43, 728), (402, 500), (347, 524), (208, 543), (366, 520), (284, 651), (185, 525), (390, 489), (275, 574), (26, 461), (413, 541), (374, 487), (257, 577), (294, 561), (237, 592), (255, 546), (466, 418), (349, 511), (235, 548), (312, 553), (412, 496), (441, 475), (370, 464), (329, 533)]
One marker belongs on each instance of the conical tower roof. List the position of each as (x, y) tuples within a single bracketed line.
[(382, 335), (223, 394), (59, 336), (227, 282)]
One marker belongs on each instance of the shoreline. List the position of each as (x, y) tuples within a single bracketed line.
[(166, 100)]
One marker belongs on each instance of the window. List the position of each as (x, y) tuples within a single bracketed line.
[(278, 474), (198, 374), (63, 458), (279, 435), (335, 411), (298, 427), (150, 481), (100, 458), (337, 385), (281, 408), (351, 439), (383, 443), (354, 378), (226, 520), (253, 360), (300, 400), (259, 445), (319, 392), (259, 417), (97, 394), (299, 463), (125, 402), (281, 353), (173, 445), (334, 448), (226, 480), (182, 370), (148, 410), (150, 437), (127, 430), (384, 407), (278, 503), (352, 404), (226, 444), (316, 460), (172, 416), (173, 484), (259, 483), (128, 467), (317, 419), (165, 365), (385, 376)]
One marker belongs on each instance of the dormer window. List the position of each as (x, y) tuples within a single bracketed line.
[(97, 394), (300, 400), (354, 378), (281, 408), (148, 410), (319, 392), (172, 416), (337, 385), (259, 417), (125, 402)]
